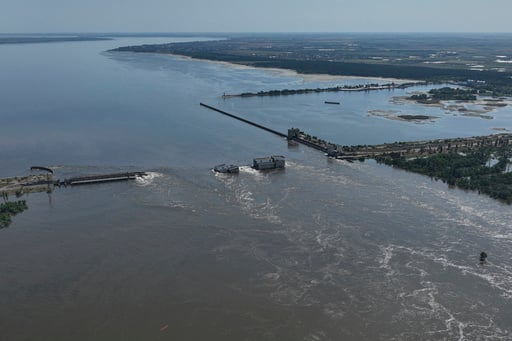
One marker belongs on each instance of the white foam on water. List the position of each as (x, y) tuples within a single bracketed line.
[(387, 254), (345, 163), (421, 272), (334, 312), (226, 178), (476, 220), (427, 301), (454, 327), (257, 209), (496, 276), (251, 171), (148, 178), (422, 303), (503, 236), (273, 276), (316, 336), (177, 204), (320, 174)]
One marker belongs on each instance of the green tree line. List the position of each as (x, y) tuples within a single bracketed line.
[(471, 171), (9, 209)]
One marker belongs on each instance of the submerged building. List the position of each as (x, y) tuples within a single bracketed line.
[(223, 168), (270, 162)]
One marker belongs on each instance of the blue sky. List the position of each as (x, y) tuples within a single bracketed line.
[(23, 16)]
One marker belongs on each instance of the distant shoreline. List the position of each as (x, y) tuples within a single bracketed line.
[(327, 57), (293, 73), (48, 39)]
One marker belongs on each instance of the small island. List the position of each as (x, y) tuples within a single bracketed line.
[(435, 96), (394, 115), (415, 117)]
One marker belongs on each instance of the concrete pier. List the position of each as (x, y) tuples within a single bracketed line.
[(95, 179), (244, 120)]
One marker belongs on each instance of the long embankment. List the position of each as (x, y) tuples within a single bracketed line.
[(423, 148), (302, 141), (407, 149), (244, 120), (345, 88)]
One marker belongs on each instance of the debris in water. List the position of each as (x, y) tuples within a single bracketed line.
[(483, 257)]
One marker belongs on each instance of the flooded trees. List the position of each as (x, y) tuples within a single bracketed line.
[(9, 209)]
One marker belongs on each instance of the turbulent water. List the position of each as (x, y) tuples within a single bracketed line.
[(323, 250)]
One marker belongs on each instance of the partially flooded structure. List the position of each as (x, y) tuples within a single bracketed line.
[(269, 162), (20, 185)]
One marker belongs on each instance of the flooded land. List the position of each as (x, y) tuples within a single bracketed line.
[(324, 249)]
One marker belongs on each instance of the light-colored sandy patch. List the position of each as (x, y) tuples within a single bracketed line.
[(482, 106), (293, 73), (398, 116), (479, 114)]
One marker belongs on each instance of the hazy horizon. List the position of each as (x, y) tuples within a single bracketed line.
[(106, 34), (265, 16)]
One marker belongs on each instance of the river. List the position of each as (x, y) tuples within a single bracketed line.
[(323, 250)]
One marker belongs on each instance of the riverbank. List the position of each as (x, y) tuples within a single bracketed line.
[(284, 72), (480, 163), (360, 56), (486, 169), (339, 88)]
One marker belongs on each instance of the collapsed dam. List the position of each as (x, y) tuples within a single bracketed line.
[(46, 183), (407, 149)]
